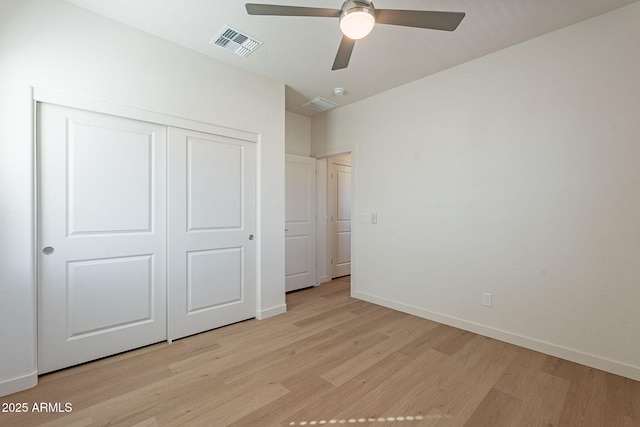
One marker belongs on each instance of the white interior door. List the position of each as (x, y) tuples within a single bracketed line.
[(212, 226), (340, 219), (300, 222), (102, 235)]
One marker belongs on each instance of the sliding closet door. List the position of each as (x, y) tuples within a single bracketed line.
[(102, 235), (212, 222)]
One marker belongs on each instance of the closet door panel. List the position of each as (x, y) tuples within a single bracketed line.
[(102, 235), (212, 220)]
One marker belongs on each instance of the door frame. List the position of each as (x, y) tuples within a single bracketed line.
[(333, 152)]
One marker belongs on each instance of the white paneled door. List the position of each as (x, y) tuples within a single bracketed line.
[(102, 220), (340, 207), (300, 222), (146, 233), (212, 227)]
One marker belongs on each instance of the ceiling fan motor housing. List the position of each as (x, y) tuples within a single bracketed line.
[(351, 6)]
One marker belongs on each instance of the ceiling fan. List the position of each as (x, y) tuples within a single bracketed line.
[(357, 18)]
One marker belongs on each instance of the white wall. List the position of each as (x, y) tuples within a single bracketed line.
[(516, 174), (54, 45), (297, 134)]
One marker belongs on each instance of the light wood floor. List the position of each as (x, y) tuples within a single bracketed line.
[(333, 360)]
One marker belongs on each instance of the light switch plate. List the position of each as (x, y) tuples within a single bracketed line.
[(487, 299)]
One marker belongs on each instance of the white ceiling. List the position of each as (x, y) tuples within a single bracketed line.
[(299, 51)]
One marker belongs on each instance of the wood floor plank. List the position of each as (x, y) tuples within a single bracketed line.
[(399, 334), (302, 391), (377, 402), (619, 396), (333, 358), (331, 317), (438, 336), (69, 421), (421, 401), (496, 409), (468, 376), (520, 373), (293, 364), (544, 399), (352, 391)]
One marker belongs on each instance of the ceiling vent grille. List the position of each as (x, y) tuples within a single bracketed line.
[(319, 104), (235, 41)]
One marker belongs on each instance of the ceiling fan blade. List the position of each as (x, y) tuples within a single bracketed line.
[(272, 9), (344, 53), (447, 21)]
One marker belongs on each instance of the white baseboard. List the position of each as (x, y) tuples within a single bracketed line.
[(15, 385), (270, 312), (551, 349)]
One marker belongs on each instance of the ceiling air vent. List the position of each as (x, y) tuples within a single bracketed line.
[(235, 41), (319, 104)]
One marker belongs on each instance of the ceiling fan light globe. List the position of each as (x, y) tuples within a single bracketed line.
[(357, 23)]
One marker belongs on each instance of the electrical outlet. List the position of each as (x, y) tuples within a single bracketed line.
[(487, 299)]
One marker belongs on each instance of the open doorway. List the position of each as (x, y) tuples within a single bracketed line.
[(339, 209), (335, 213)]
